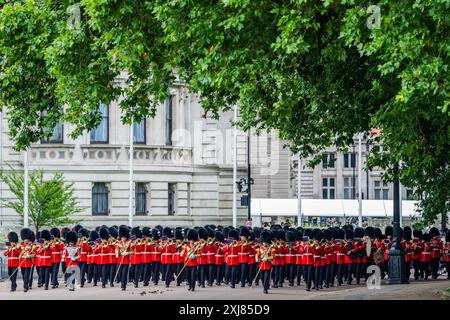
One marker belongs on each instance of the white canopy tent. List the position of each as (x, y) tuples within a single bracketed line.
[(329, 208)]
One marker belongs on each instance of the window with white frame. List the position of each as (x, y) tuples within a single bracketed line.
[(100, 204), (381, 190), (328, 160), (328, 188), (101, 133), (349, 188)]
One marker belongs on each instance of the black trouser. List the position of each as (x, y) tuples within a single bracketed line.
[(282, 274), (299, 273), (291, 273), (359, 271), (156, 265), (104, 271), (327, 276), (233, 274), (135, 274), (340, 273), (63, 267), (308, 273), (265, 277), (92, 273), (55, 269), (167, 272), (251, 272), (276, 275), (317, 272), (112, 273), (408, 269), (146, 273), (123, 275), (26, 272), (202, 274), (426, 269), (417, 268), (12, 273), (350, 271), (244, 273), (180, 273), (191, 275), (39, 278), (434, 267), (220, 269), (83, 271), (332, 274), (44, 274), (447, 267), (30, 279), (211, 272), (227, 274)]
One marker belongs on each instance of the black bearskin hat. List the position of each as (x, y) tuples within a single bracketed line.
[(210, 232), (192, 235), (113, 232), (71, 237), (327, 234), (64, 232), (408, 228), (434, 232), (281, 235), (104, 234), (349, 234), (407, 235), (308, 233), (77, 228), (377, 233), (257, 232), (12, 237), (202, 233), (244, 232), (359, 232), (159, 228), (124, 232), (417, 234), (370, 232), (265, 236), (298, 235), (93, 236), (234, 234), (219, 236), (317, 234), (167, 232), (179, 234), (290, 236), (339, 234), (146, 232), (426, 237), (26, 234), (45, 234), (447, 236), (55, 233), (389, 231), (136, 231), (226, 232), (83, 233), (156, 234)]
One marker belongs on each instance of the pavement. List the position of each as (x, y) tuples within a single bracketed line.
[(415, 290)]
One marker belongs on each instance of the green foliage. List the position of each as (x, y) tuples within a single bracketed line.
[(313, 70), (51, 202)]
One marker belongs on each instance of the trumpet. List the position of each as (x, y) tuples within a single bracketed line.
[(234, 243), (84, 240), (170, 242), (105, 243)]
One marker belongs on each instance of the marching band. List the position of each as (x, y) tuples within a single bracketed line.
[(321, 258)]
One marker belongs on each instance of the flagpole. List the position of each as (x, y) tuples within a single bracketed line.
[(359, 180), (235, 168), (130, 199), (299, 192), (25, 191)]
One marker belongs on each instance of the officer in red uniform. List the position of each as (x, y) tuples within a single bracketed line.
[(103, 251), (13, 252), (85, 247), (290, 255), (416, 248), (113, 245), (190, 253), (92, 257), (219, 257), (202, 258), (135, 259), (123, 252), (233, 256), (168, 251), (437, 245), (178, 259), (318, 254), (340, 249), (425, 258), (299, 254), (264, 255), (56, 248), (45, 258), (328, 258), (308, 261), (146, 256), (26, 257), (243, 254), (210, 259), (156, 255), (406, 235), (359, 250), (446, 253), (252, 266)]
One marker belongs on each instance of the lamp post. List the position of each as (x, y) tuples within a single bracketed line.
[(235, 168), (299, 190), (130, 195), (397, 264), (25, 191), (249, 179)]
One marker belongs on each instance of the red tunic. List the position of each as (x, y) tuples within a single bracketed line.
[(308, 255), (191, 253), (299, 254), (92, 255), (136, 249), (177, 257), (219, 257), (210, 253), (146, 254), (252, 254), (446, 252), (264, 256), (437, 247), (24, 261), (71, 262), (57, 248), (168, 251), (243, 252), (426, 253), (415, 247), (45, 256), (318, 254), (232, 255), (102, 251), (123, 252), (13, 253), (156, 252), (112, 252)]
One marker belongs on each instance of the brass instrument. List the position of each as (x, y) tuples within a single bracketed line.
[(234, 243), (105, 243), (170, 242), (84, 240)]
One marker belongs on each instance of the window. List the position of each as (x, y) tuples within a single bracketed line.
[(171, 199), (350, 160), (57, 132), (141, 199), (349, 188), (381, 190), (328, 160), (139, 132), (328, 188), (168, 127), (410, 194), (100, 199), (100, 134)]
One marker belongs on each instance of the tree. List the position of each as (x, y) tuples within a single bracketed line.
[(50, 202), (315, 71)]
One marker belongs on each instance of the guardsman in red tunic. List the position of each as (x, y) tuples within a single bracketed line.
[(425, 258), (37, 260), (219, 257), (190, 253), (290, 255), (123, 253), (168, 251), (13, 252), (328, 258), (252, 267), (243, 254), (178, 259), (92, 268), (146, 256), (156, 255), (446, 253), (359, 249), (276, 262), (437, 245), (85, 247), (340, 249), (103, 251), (45, 258), (26, 257), (308, 261), (350, 257), (415, 246), (71, 254), (56, 248), (210, 259), (299, 255), (408, 253), (113, 245), (264, 255), (202, 260), (233, 256), (318, 253), (135, 259)]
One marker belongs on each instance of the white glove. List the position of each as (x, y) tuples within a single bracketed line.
[(125, 253), (117, 254), (28, 256)]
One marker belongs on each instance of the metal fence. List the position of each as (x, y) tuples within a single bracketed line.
[(3, 268)]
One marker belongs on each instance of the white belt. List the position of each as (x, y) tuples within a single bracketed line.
[(13, 258), (232, 255), (219, 255), (165, 254), (103, 254), (308, 254), (56, 252), (316, 256), (243, 253), (45, 256)]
